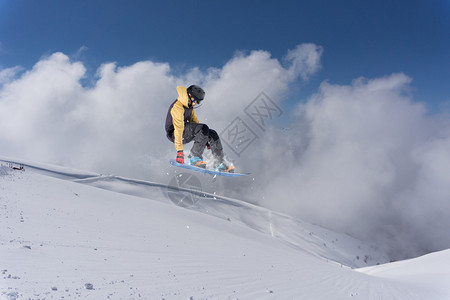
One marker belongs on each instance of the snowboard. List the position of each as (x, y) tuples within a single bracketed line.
[(206, 171)]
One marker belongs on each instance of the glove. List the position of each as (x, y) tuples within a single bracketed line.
[(208, 146), (180, 157)]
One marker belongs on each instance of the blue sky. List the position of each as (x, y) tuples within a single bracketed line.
[(359, 38)]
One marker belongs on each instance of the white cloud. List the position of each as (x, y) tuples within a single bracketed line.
[(367, 160), (304, 60), (362, 158), (8, 74), (118, 124), (33, 107)]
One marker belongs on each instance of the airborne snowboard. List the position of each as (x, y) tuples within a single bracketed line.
[(206, 171)]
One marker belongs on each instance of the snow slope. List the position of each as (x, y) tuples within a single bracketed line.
[(74, 234)]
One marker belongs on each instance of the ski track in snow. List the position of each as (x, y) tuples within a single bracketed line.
[(72, 234)]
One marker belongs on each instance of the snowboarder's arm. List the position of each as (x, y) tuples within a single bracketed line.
[(194, 118), (177, 113)]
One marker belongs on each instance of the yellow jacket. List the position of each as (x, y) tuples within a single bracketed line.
[(179, 114)]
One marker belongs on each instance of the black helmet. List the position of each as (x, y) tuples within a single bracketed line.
[(196, 92)]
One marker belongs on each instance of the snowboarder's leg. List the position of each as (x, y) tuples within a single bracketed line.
[(216, 145), (217, 150), (199, 133), (202, 135)]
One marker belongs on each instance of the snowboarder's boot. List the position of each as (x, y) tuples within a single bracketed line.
[(197, 162), (222, 167)]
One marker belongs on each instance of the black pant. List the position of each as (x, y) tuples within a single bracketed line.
[(202, 135)]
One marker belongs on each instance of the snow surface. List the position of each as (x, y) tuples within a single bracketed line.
[(72, 234)]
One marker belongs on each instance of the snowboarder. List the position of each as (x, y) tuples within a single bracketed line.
[(183, 126)]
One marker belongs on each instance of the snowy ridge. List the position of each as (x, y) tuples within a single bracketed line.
[(74, 234), (312, 239)]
